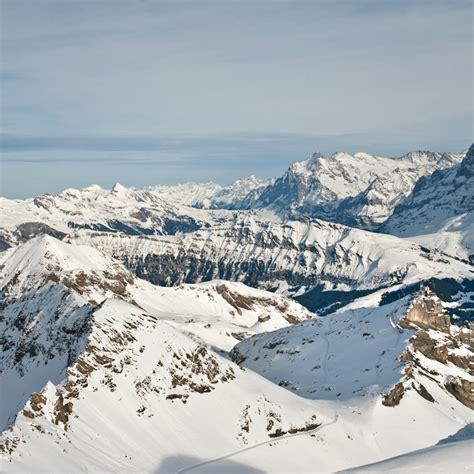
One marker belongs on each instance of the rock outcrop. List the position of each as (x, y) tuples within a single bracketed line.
[(435, 340), (427, 312)]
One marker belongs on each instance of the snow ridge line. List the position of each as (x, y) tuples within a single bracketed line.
[(263, 443)]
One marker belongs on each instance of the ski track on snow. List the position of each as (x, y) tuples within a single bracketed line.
[(263, 443)]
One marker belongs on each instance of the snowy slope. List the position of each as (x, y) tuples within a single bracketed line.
[(138, 395), (92, 367), (452, 457), (124, 376), (397, 376), (370, 420), (51, 288)]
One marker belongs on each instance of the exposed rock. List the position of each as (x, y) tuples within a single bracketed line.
[(62, 411), (393, 398), (308, 427), (465, 335), (462, 389), (37, 401), (28, 230), (239, 302), (421, 389), (427, 312), (422, 342)]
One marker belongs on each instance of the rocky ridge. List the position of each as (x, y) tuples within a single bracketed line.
[(439, 211), (287, 257)]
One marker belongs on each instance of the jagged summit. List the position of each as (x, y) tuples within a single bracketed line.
[(359, 190), (439, 211), (467, 165), (342, 187)]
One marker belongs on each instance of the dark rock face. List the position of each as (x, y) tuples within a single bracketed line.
[(164, 227), (167, 270), (466, 168), (4, 244), (28, 230), (393, 398), (323, 301), (463, 390)]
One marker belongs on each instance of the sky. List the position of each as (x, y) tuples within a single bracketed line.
[(148, 92)]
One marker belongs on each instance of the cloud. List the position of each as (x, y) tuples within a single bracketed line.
[(304, 67)]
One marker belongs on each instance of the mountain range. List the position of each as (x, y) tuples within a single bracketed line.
[(317, 321)]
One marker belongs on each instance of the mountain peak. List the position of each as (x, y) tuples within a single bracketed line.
[(117, 188), (94, 188), (467, 164), (317, 155)]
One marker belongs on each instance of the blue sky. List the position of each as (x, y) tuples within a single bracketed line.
[(146, 92)]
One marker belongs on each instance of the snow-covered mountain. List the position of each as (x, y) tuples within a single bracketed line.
[(290, 257), (50, 291), (359, 190), (124, 210), (399, 364), (97, 361), (79, 331), (240, 194), (439, 212), (155, 210), (187, 194), (350, 360)]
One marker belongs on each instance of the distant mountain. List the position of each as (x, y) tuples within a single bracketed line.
[(123, 210), (237, 195), (360, 190), (440, 210), (158, 210)]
